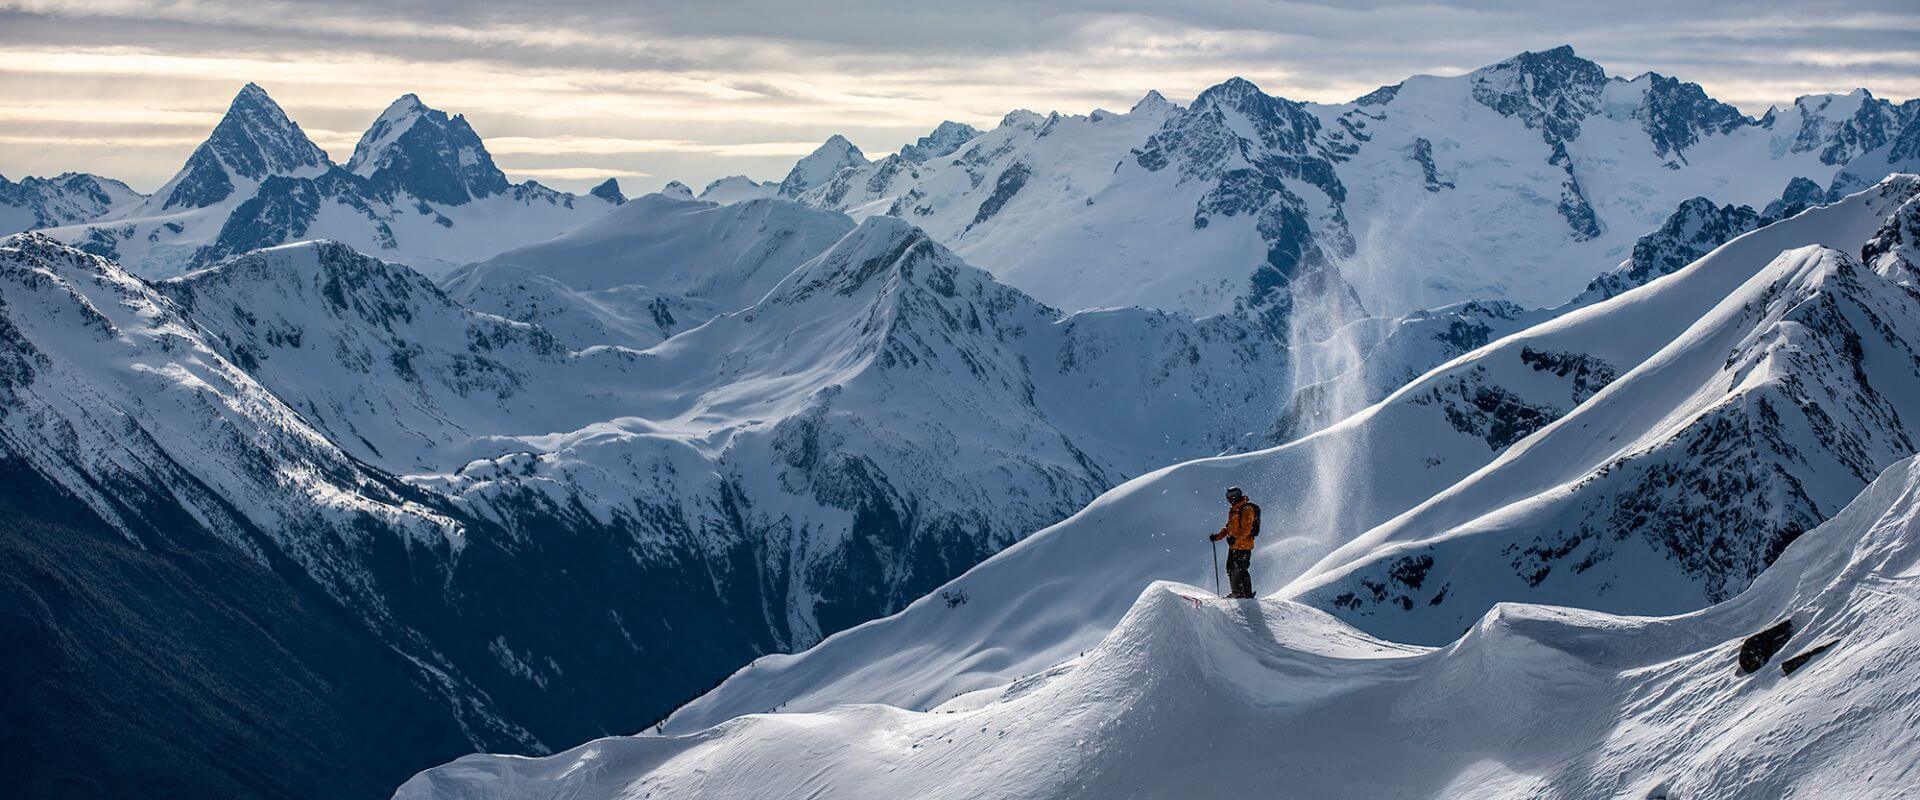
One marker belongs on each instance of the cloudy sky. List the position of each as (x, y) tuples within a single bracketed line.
[(572, 91)]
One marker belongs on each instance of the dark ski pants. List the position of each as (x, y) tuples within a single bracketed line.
[(1238, 580)]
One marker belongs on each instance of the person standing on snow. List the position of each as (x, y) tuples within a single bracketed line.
[(1243, 524)]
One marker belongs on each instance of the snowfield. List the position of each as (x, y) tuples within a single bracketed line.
[(1189, 695)]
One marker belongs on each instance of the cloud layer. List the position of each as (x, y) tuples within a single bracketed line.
[(574, 90)]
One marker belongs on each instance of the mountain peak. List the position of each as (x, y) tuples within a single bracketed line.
[(609, 190), (1549, 90), (253, 140), (1228, 91), (944, 139), (677, 190), (878, 246), (833, 155), (1151, 102), (414, 148)]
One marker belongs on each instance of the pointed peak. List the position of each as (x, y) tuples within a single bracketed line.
[(609, 190), (821, 165), (1151, 102), (1559, 60), (1233, 92), (677, 190), (406, 105), (415, 148), (254, 139), (946, 137)]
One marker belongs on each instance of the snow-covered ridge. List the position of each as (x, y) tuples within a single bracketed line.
[(64, 199)]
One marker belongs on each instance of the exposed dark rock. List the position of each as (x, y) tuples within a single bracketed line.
[(1759, 648), (1792, 665)]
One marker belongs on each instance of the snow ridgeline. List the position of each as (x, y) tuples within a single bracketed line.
[(1506, 183), (1195, 696)]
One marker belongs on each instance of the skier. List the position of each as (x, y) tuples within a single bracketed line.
[(1243, 524)]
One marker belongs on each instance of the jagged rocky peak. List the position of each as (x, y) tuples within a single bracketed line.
[(1694, 229), (254, 140), (821, 165), (64, 199), (1280, 125), (1800, 194), (423, 152), (609, 190), (944, 139), (677, 190), (1550, 90), (1676, 114)]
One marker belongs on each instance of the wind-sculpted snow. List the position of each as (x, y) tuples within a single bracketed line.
[(420, 188), (1189, 695), (1773, 410)]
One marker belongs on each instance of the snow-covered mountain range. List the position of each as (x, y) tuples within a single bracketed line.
[(406, 465), (536, 467), (1506, 183), (1715, 421), (420, 189), (1459, 443)]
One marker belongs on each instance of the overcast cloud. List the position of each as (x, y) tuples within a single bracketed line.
[(572, 91)]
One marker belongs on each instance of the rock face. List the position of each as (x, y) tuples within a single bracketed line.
[(1759, 648), (946, 138), (420, 188), (1694, 229), (254, 139), (422, 152), (609, 190)]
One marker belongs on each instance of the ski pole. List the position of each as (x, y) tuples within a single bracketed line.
[(1216, 565)]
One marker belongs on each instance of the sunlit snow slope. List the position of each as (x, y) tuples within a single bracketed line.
[(1190, 696)]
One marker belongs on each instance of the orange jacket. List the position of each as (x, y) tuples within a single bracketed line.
[(1243, 523)]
